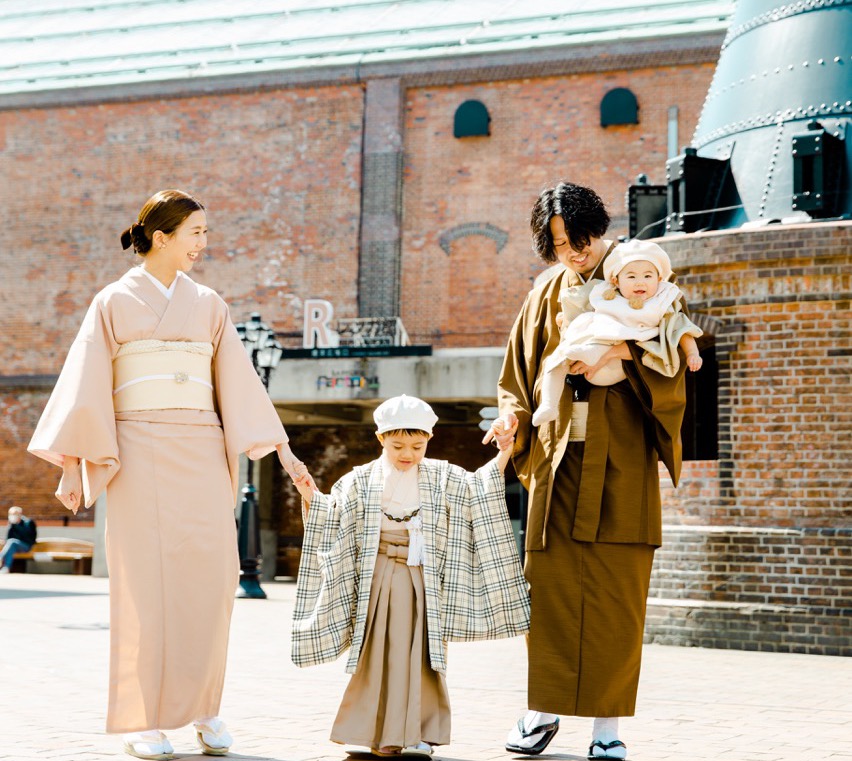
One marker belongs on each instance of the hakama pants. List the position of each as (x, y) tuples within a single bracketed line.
[(587, 613), (395, 698)]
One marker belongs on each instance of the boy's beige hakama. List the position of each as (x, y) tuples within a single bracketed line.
[(171, 477), (395, 699), (357, 591)]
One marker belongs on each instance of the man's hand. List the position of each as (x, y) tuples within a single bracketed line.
[(502, 430), (619, 351)]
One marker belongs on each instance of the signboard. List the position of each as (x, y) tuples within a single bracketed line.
[(352, 337), (347, 352)]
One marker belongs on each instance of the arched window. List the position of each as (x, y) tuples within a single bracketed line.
[(619, 106), (472, 120)]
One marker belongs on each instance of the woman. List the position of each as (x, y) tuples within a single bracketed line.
[(594, 517), (155, 403)]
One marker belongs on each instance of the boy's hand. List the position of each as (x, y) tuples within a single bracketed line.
[(502, 431), (694, 362), (302, 479), (505, 440), (304, 483)]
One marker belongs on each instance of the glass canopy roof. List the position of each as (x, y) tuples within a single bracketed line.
[(50, 44)]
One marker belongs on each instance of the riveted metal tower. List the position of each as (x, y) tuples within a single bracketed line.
[(773, 137)]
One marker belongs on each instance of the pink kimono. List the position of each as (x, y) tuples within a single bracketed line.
[(171, 481)]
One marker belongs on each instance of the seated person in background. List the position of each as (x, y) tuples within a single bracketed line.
[(20, 537)]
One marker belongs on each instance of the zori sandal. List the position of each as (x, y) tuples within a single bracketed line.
[(151, 745), (421, 750), (213, 737), (550, 729), (600, 749)]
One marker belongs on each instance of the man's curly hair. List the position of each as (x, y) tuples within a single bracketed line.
[(581, 209)]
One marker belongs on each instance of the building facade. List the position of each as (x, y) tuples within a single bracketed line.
[(338, 176)]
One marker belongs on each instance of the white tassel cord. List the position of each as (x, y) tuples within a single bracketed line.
[(415, 540)]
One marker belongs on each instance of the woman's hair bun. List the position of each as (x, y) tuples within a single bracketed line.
[(135, 236)]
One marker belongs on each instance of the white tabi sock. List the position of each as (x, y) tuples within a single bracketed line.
[(605, 730)]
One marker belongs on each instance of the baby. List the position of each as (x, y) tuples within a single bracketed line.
[(636, 302)]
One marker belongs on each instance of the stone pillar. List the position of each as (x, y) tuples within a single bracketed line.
[(381, 200)]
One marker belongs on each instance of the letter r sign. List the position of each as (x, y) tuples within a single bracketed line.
[(317, 333)]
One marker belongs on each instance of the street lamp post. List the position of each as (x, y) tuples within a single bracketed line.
[(265, 352)]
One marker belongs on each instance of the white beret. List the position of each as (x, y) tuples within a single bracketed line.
[(637, 251), (404, 412)]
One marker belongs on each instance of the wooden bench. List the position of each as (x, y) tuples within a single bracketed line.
[(49, 550)]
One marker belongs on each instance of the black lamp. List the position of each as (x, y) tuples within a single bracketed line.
[(265, 353)]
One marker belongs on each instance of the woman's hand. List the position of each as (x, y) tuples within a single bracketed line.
[(70, 489), (288, 460), (502, 430), (297, 470)]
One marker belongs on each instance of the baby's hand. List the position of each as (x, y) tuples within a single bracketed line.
[(694, 362)]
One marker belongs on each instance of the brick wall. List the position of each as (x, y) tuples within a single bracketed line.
[(697, 493), (781, 299), (24, 479), (757, 547), (543, 130), (279, 172), (769, 589)]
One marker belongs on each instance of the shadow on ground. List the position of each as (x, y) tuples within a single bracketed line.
[(23, 594), (366, 756), (231, 755)]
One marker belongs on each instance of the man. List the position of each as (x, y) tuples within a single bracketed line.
[(20, 537), (594, 517)]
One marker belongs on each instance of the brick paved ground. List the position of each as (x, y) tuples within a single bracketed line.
[(694, 704)]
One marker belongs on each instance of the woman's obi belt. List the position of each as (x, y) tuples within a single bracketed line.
[(162, 375)]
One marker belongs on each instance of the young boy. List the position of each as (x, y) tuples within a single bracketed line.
[(634, 303), (405, 554)]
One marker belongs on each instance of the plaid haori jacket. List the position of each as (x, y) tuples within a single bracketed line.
[(475, 588)]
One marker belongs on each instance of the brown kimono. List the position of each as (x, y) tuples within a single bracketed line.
[(594, 516), (171, 478)]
